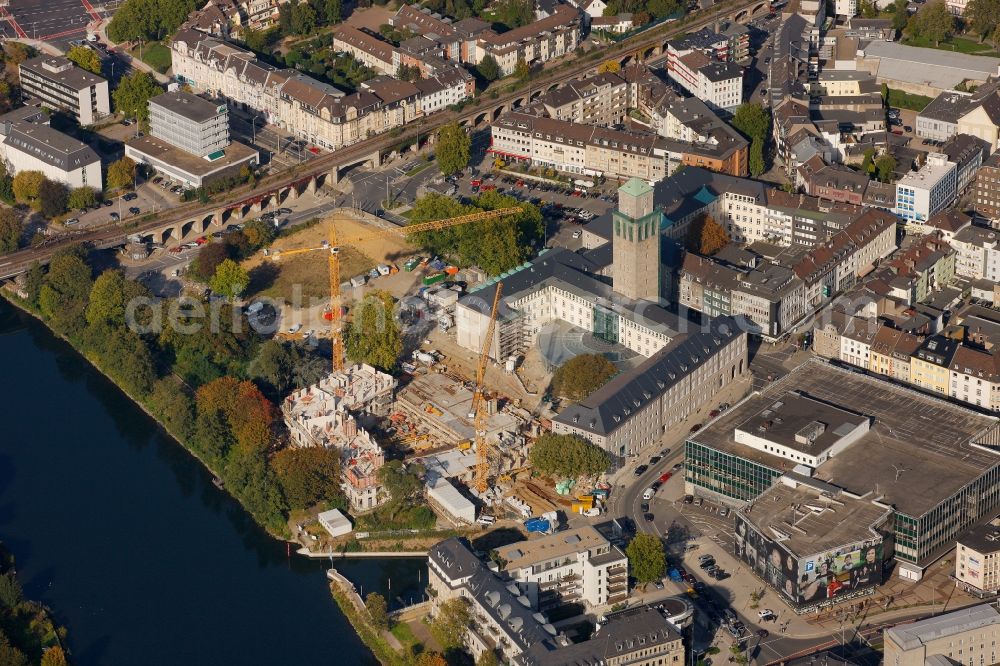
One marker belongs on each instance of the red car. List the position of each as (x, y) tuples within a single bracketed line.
[(714, 413), (477, 182), (487, 188), (665, 477), (696, 427), (201, 241)]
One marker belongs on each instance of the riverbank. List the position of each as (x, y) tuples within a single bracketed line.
[(26, 626), (378, 646)]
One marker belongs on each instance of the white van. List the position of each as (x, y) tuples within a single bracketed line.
[(648, 495), (486, 519)]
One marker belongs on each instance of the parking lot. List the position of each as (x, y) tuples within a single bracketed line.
[(53, 21)]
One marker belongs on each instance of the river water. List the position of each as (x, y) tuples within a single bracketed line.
[(122, 533)]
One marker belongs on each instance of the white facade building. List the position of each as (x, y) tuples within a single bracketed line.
[(27, 143), (925, 192), (60, 84)]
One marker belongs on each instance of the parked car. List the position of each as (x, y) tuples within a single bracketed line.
[(640, 470), (654, 460), (134, 210), (696, 427), (115, 217), (765, 614), (648, 517), (295, 328), (70, 222), (130, 196)]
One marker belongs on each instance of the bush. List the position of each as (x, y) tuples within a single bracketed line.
[(568, 456), (582, 375)]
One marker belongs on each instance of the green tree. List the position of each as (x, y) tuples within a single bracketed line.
[(582, 375), (982, 17), (378, 610), (64, 293), (110, 296), (402, 481), (86, 58), (449, 625), (488, 658), (11, 594), (373, 336), (259, 233), (333, 10), (52, 198), (488, 68), (140, 20), (933, 22), (515, 13), (81, 198), (274, 368), (210, 256), (867, 9), (646, 558), (662, 8), (568, 456), (26, 186), (11, 229), (754, 122), (127, 358), (900, 14), (303, 18), (133, 93), (230, 279), (885, 166), (33, 281), (521, 70), (706, 236), (121, 173), (308, 475), (868, 162), (172, 407), (453, 149)]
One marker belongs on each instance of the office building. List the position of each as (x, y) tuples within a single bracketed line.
[(61, 85), (923, 193), (933, 462), (967, 636), (977, 560)]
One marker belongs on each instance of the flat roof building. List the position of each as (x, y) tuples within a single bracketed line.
[(966, 636), (928, 459), (977, 560), (191, 123), (28, 143), (61, 85)]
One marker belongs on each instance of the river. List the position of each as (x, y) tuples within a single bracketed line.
[(122, 533)]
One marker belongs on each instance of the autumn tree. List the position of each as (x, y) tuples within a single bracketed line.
[(210, 256), (646, 558), (11, 229), (26, 186), (121, 173), (521, 70), (430, 659), (609, 66), (568, 456), (706, 236), (453, 149), (54, 656), (308, 475), (110, 296), (65, 290), (85, 57), (373, 336), (582, 375), (378, 610)]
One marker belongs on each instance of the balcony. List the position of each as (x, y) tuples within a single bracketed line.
[(615, 598)]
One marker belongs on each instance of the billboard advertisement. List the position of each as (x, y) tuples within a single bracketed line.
[(847, 571)]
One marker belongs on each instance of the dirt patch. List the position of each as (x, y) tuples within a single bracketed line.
[(370, 17), (307, 274)]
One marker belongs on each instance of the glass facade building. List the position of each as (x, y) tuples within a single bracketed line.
[(723, 473)]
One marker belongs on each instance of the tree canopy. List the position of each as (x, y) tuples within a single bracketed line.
[(494, 245), (26, 186), (378, 609), (309, 476), (133, 93), (582, 375), (230, 279), (982, 17), (754, 122), (140, 20), (706, 236), (488, 68), (449, 625), (85, 57), (121, 173), (81, 198), (453, 149), (52, 198), (933, 22), (646, 558), (11, 229), (568, 456), (373, 336)]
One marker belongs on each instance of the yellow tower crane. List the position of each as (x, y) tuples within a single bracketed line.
[(333, 245), (480, 417)]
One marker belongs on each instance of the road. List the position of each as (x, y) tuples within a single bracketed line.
[(20, 261)]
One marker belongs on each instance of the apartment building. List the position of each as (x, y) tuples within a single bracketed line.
[(310, 110), (718, 84), (578, 149), (978, 253), (921, 194), (28, 143), (967, 636), (367, 49), (230, 19), (568, 566), (601, 99), (61, 85), (966, 152), (695, 136), (977, 561), (986, 189), (975, 377), (536, 43), (504, 620), (930, 366), (953, 112), (891, 351), (730, 44)]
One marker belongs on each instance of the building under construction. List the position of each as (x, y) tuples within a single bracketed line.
[(326, 415)]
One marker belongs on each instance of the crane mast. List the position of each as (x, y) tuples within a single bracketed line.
[(481, 417)]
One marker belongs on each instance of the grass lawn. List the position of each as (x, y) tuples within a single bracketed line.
[(156, 55), (956, 44), (904, 100), (417, 169), (402, 631)]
